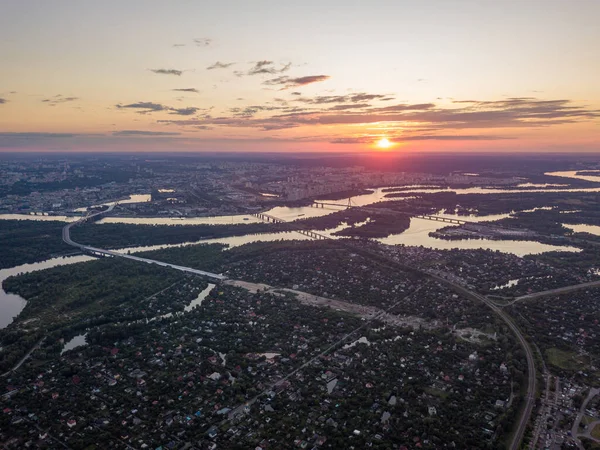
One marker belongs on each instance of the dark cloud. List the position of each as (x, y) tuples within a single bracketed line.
[(349, 106), (57, 99), (143, 133), (250, 111), (404, 107), (178, 45), (32, 135), (202, 42), (350, 98), (268, 67), (421, 121), (495, 114), (219, 65), (362, 97), (194, 90), (150, 107), (189, 111), (3, 100), (167, 72), (295, 93), (278, 126), (323, 99), (144, 107), (289, 82), (186, 122), (262, 67)]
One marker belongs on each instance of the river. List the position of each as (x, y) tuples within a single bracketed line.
[(417, 234), (10, 304), (294, 213)]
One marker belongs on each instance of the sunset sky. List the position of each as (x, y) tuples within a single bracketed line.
[(327, 75)]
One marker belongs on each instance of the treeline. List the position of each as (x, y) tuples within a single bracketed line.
[(379, 226), (64, 300), (485, 204), (117, 235), (344, 194), (29, 241)]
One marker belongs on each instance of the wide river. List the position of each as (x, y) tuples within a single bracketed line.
[(416, 235)]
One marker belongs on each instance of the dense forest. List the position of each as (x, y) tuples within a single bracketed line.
[(117, 235), (64, 300), (29, 241)]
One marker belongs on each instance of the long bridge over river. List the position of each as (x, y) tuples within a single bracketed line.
[(95, 251), (272, 219), (317, 204)]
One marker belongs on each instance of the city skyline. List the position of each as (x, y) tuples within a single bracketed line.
[(322, 76)]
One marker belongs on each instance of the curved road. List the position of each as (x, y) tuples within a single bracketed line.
[(531, 370), (557, 291), (66, 236)]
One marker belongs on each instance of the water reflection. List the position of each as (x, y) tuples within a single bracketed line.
[(294, 213), (201, 296), (11, 304), (418, 234), (44, 218), (217, 220), (134, 198), (592, 229), (573, 174), (77, 341)]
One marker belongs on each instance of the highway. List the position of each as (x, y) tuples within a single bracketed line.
[(66, 236), (557, 291)]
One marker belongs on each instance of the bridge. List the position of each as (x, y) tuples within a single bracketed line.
[(317, 204), (94, 251), (272, 219)]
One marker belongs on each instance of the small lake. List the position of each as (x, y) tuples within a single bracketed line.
[(201, 296), (77, 341)]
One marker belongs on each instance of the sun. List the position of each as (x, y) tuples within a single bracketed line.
[(384, 143)]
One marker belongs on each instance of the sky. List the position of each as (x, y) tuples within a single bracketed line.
[(318, 76)]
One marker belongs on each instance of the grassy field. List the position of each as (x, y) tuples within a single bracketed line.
[(596, 432), (437, 392), (564, 359)]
